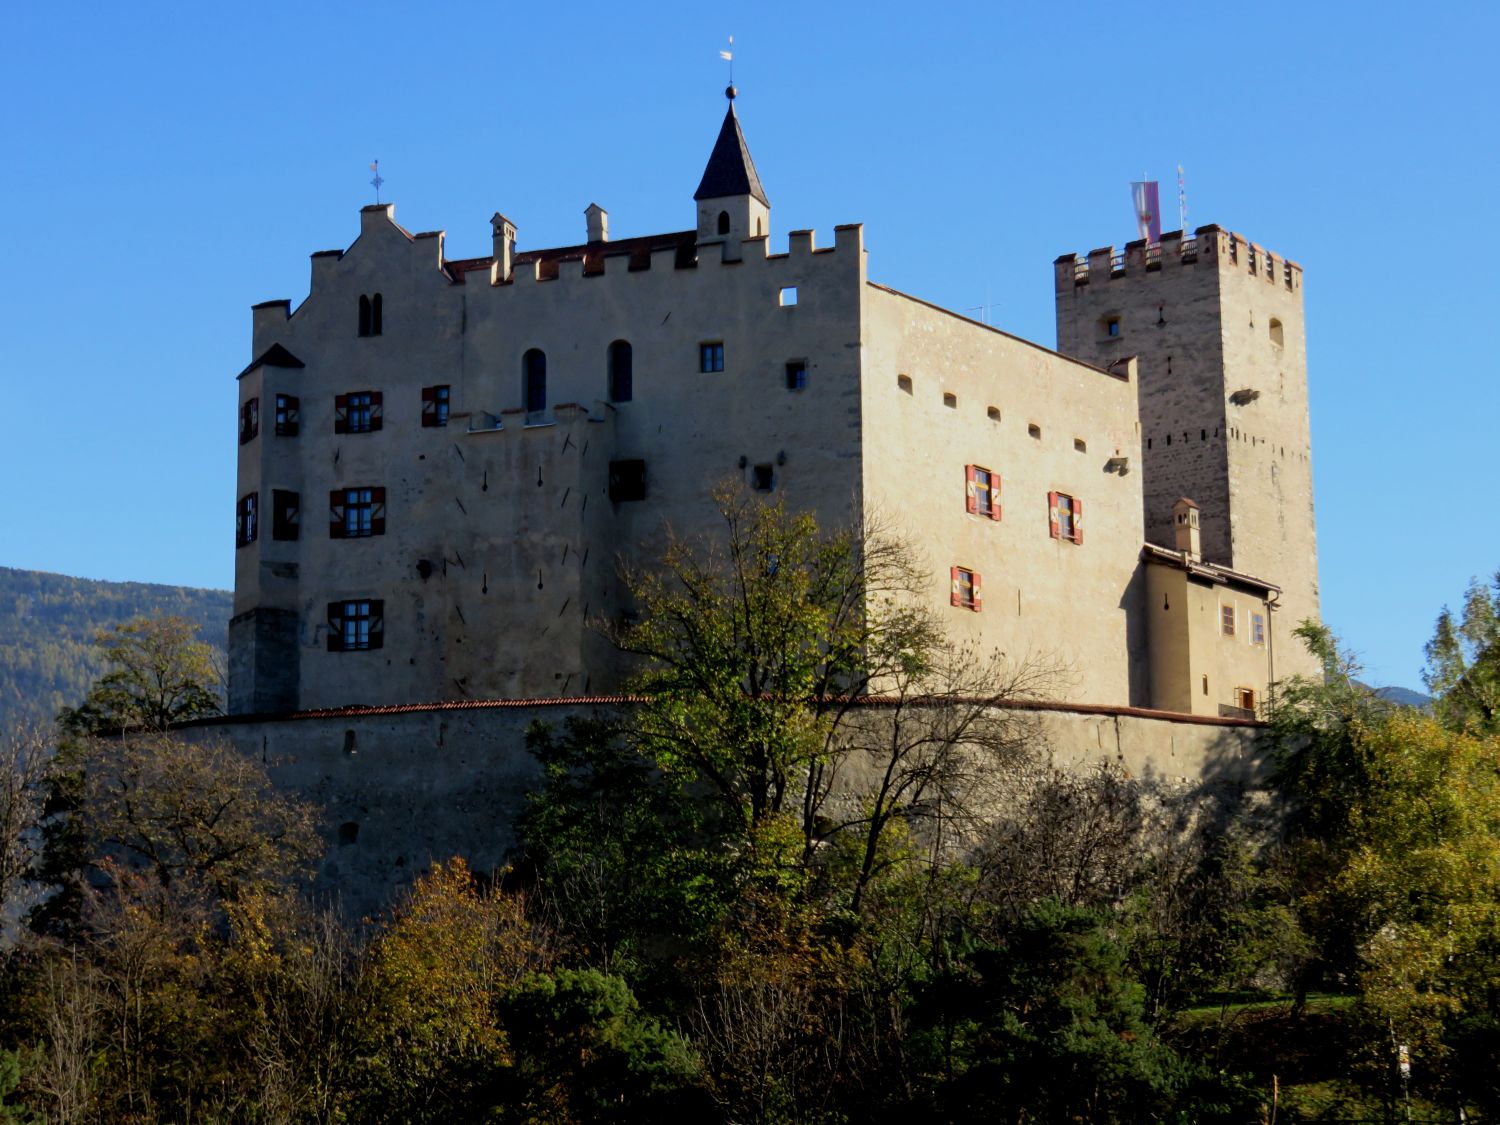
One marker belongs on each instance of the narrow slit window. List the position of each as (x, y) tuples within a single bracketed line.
[(621, 371), (534, 377), (247, 519)]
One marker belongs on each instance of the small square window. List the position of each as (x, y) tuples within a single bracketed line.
[(287, 410), (1226, 620), (711, 357), (903, 382), (950, 400), (435, 401), (964, 591), (788, 296), (796, 375), (356, 625), (627, 480), (1034, 431), (1244, 698), (1257, 629), (763, 478), (1080, 445), (247, 519), (994, 413), (249, 420), (1112, 327), (1066, 516)]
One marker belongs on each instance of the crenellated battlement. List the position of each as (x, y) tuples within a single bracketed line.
[(1210, 245)]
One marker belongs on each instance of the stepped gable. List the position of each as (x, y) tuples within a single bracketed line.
[(730, 170)]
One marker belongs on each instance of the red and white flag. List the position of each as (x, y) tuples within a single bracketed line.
[(1147, 209)]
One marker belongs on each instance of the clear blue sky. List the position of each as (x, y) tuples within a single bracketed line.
[(167, 166)]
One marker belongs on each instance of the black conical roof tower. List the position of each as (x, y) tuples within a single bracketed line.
[(730, 170)]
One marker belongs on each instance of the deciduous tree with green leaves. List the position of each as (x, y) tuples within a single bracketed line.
[(1463, 661)]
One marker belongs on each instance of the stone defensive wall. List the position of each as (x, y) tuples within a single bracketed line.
[(1209, 244), (403, 786)]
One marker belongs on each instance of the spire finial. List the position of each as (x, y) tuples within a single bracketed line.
[(378, 180), (728, 56)]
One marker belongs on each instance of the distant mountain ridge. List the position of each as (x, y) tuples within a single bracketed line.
[(47, 627), (1404, 697)]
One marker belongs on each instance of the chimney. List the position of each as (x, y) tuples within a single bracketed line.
[(1185, 527), (598, 223), (504, 234)]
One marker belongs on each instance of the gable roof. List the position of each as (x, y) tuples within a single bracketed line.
[(730, 170), (274, 356)]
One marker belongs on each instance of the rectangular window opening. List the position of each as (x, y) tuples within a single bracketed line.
[(964, 588), (435, 402), (358, 412), (711, 356), (627, 480), (249, 420), (1257, 629), (1065, 514), (356, 513), (1226, 620), (982, 491), (247, 519), (356, 625), (788, 296), (287, 410), (763, 478), (796, 375), (286, 514)]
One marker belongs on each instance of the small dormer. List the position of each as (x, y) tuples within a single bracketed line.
[(731, 203)]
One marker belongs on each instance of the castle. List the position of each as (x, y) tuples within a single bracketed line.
[(493, 435)]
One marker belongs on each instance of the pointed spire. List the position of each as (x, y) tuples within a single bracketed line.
[(730, 170)]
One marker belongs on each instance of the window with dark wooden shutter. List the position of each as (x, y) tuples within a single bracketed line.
[(377, 314), (955, 594), (364, 315), (377, 412), (976, 599), (287, 410), (1052, 515), (994, 496), (1078, 521), (249, 420), (247, 519), (335, 626), (286, 514), (336, 514), (377, 511), (377, 625), (971, 490), (341, 414)]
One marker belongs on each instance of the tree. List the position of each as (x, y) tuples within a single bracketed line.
[(158, 675), (586, 1053), (200, 812), (1463, 661), (1048, 1025), (796, 676), (24, 753)]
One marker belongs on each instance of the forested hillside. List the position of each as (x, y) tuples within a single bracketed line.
[(47, 627)]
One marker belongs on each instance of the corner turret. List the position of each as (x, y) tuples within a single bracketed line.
[(731, 203)]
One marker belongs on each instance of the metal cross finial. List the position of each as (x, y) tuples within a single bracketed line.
[(377, 181)]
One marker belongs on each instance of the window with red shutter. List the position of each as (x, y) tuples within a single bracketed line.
[(976, 599), (964, 588), (971, 489), (982, 491), (287, 410), (1065, 516), (340, 414), (356, 513), (358, 412), (435, 406), (356, 625)]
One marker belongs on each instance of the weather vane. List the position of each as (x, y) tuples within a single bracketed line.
[(377, 181), (728, 56)]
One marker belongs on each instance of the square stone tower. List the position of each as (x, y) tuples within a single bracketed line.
[(1216, 325)]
